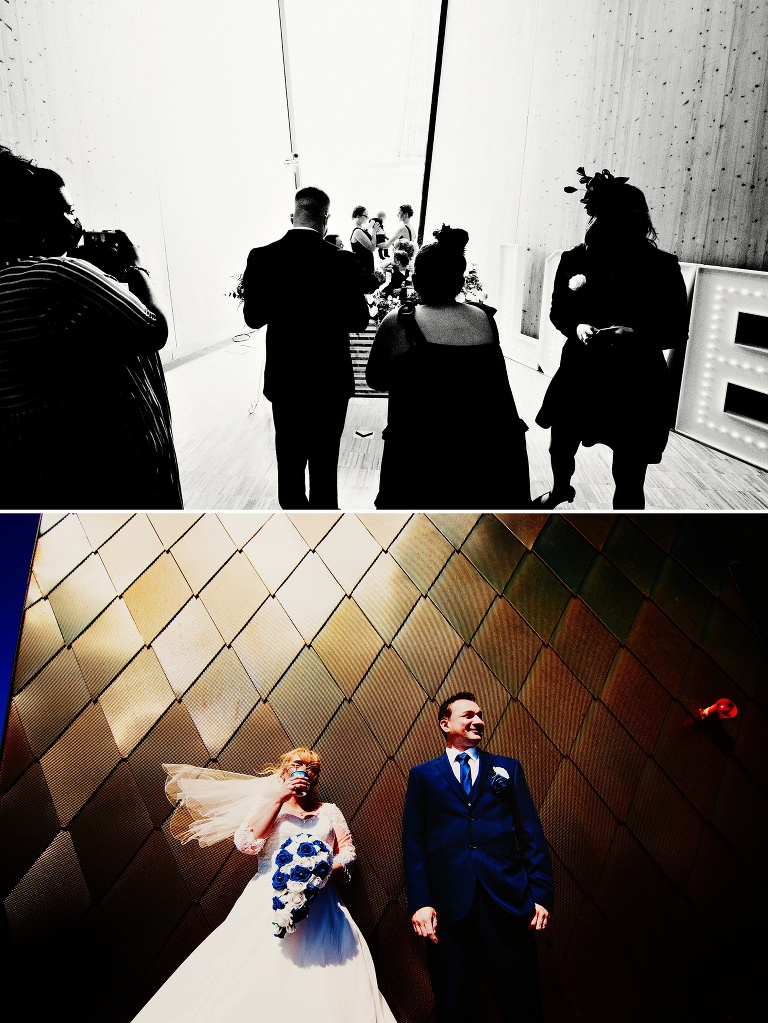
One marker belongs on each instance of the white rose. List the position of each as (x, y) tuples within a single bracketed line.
[(295, 886), (577, 281), (502, 772), (283, 918), (295, 899)]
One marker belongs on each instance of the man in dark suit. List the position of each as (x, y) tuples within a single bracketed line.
[(311, 296), (477, 870)]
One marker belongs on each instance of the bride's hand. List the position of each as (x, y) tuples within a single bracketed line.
[(292, 787)]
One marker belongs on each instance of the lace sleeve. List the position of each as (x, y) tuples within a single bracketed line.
[(344, 849), (246, 841)]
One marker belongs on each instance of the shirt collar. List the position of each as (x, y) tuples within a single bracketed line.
[(474, 753)]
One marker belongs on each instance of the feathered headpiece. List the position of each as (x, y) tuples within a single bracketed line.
[(600, 188)]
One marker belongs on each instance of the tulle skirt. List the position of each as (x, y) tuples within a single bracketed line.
[(243, 972)]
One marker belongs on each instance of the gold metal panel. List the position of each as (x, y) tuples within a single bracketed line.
[(267, 645), (32, 910), (556, 699), (187, 645), (309, 595), (276, 550), (110, 829), (348, 645), (79, 762), (220, 700), (349, 550), (421, 550), (169, 526), (525, 527), (494, 551), (132, 549), (454, 525), (107, 646), (174, 740), (313, 526), (49, 519), (469, 672), (33, 592), (382, 842), (29, 824), (428, 645), (58, 552), (234, 595), (383, 526), (366, 898), (40, 639), (81, 597), (227, 886), (156, 596), (462, 595), (518, 735), (52, 700), (241, 526), (202, 551), (389, 698), (597, 527), (17, 756), (423, 742), (348, 740), (140, 911), (306, 699), (99, 526), (198, 865), (386, 595), (261, 740), (135, 700), (507, 644)]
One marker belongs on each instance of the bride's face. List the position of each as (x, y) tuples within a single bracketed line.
[(297, 764)]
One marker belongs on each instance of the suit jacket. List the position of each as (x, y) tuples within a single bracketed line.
[(453, 842), (310, 295)]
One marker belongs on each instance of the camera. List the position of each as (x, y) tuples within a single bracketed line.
[(107, 250)]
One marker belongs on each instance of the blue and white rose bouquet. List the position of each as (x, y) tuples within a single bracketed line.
[(302, 867)]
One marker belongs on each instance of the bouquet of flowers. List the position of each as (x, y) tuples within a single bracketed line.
[(302, 867)]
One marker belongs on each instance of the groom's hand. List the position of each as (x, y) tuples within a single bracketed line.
[(540, 918), (424, 922)]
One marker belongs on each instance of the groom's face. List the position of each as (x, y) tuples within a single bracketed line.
[(464, 727)]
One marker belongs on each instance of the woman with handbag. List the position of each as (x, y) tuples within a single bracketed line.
[(620, 302)]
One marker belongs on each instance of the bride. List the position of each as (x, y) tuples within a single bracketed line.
[(242, 970)]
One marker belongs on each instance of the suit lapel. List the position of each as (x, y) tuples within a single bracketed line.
[(444, 767), (486, 762)]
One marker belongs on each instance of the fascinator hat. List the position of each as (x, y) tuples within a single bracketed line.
[(211, 804), (601, 191)]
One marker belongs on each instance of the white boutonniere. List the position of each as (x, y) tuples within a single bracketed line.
[(499, 780), (577, 281)]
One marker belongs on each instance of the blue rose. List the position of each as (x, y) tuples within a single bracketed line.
[(276, 903), (279, 880), (321, 869), (321, 846), (283, 858), (299, 873), (286, 842), (305, 849)]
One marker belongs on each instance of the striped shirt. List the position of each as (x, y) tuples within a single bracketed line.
[(84, 415)]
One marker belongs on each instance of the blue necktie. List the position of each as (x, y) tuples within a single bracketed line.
[(465, 775)]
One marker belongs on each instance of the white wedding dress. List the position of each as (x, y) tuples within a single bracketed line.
[(242, 972)]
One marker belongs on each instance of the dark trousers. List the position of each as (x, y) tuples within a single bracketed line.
[(308, 434), (628, 469), (490, 943)]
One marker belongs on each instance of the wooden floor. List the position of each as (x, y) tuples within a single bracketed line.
[(225, 443)]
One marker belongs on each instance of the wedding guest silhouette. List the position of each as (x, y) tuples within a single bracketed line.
[(322, 970), (477, 871), (620, 302), (453, 437), (85, 420), (310, 295)]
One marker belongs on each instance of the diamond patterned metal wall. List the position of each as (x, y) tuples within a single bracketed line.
[(226, 639)]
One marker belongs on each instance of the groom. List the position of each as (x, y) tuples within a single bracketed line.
[(477, 870)]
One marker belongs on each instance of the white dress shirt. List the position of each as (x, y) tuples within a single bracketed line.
[(474, 762)]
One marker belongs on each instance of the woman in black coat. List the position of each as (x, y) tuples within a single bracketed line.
[(620, 302)]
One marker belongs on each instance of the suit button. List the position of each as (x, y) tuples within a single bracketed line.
[(473, 847)]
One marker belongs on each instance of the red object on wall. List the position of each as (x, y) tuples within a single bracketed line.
[(720, 709)]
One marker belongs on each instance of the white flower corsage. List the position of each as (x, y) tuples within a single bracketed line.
[(577, 281), (499, 780)]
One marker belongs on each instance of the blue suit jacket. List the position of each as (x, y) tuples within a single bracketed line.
[(453, 842)]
